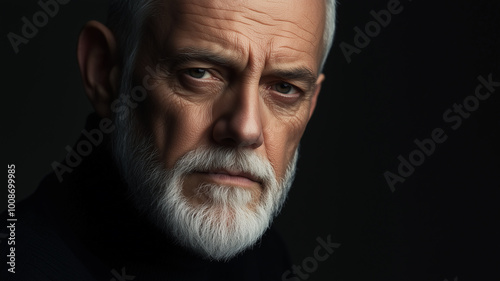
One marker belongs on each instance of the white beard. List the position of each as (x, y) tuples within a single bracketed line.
[(228, 221)]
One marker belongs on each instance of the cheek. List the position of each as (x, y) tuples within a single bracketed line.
[(176, 125), (281, 141)]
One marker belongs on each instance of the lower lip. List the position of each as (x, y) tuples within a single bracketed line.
[(230, 180)]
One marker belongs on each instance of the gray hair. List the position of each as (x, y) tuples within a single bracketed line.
[(329, 29), (126, 19)]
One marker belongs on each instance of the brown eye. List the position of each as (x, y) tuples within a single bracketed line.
[(198, 73), (284, 88)]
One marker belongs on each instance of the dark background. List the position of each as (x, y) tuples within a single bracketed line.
[(440, 223)]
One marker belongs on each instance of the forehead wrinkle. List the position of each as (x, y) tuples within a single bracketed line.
[(275, 35), (282, 20), (214, 17), (231, 28), (218, 28), (297, 25), (213, 8), (232, 18), (297, 50), (258, 21), (198, 23), (275, 25), (189, 54), (304, 39), (219, 24)]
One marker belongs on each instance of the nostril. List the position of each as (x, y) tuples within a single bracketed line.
[(238, 131)]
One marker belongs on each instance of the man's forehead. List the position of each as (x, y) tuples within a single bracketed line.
[(282, 31)]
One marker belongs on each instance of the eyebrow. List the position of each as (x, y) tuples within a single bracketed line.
[(302, 75), (185, 55)]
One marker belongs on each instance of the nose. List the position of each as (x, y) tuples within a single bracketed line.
[(240, 121)]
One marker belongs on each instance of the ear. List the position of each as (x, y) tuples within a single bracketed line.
[(98, 59), (317, 89)]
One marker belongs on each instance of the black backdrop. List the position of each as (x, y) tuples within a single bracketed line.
[(440, 223)]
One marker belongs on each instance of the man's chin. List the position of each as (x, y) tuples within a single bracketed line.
[(220, 227)]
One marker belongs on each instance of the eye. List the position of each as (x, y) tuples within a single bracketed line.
[(198, 73), (284, 88)]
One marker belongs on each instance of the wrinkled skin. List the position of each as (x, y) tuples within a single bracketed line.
[(234, 73)]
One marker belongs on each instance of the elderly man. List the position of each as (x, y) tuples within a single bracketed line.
[(200, 107)]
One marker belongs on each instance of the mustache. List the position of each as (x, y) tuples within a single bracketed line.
[(235, 161)]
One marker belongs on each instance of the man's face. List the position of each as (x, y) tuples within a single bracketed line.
[(237, 74), (213, 147)]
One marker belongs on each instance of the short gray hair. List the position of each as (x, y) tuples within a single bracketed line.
[(329, 29), (126, 19)]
